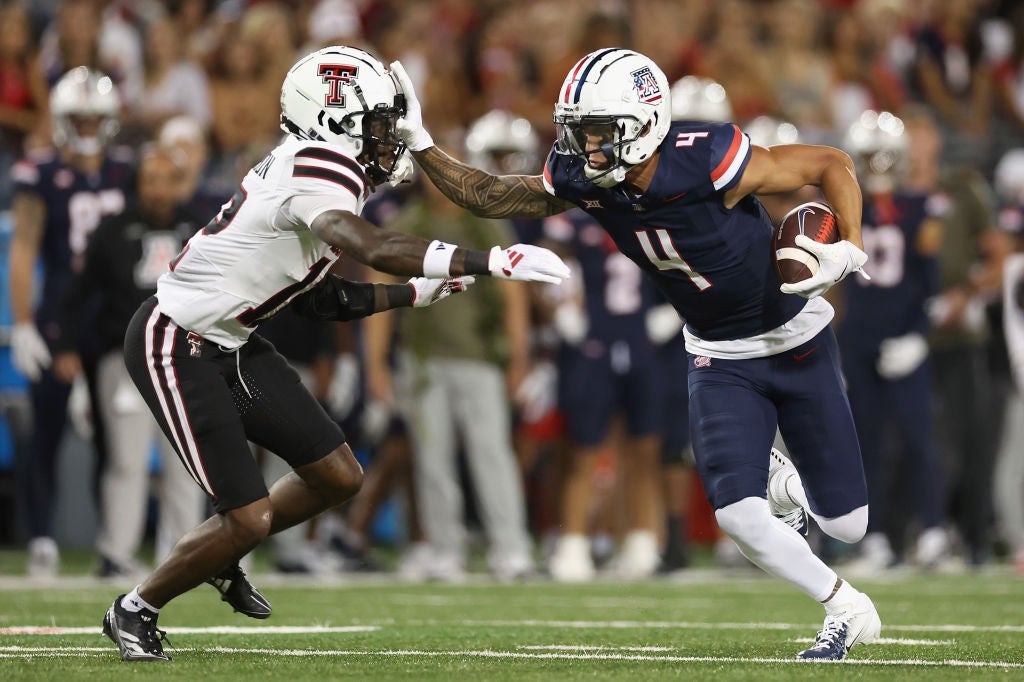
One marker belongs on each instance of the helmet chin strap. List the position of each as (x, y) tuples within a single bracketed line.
[(607, 178)]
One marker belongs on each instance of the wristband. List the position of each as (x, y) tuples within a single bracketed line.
[(438, 259)]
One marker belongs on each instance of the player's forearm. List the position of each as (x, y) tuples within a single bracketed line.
[(389, 251), (839, 185), (21, 282), (487, 195)]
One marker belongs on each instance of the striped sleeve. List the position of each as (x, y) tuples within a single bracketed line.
[(321, 171), (25, 176), (730, 152)]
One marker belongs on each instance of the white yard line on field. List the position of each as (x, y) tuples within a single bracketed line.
[(50, 652), (891, 640), (688, 625), (216, 630)]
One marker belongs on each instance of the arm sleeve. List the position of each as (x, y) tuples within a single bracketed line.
[(323, 180), (729, 155), (305, 208), (25, 176), (338, 300)]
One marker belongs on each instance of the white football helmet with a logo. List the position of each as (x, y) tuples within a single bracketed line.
[(345, 96), (84, 106), (504, 144), (620, 101), (877, 142)]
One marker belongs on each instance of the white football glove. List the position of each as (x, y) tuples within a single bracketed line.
[(80, 410), (428, 290), (28, 351), (835, 262), (538, 392), (527, 263), (570, 321), (410, 127), (663, 323), (900, 355), (403, 171), (344, 388)]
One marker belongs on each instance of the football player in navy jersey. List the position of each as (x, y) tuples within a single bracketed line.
[(883, 332), (214, 385), (607, 366), (60, 197), (678, 199)]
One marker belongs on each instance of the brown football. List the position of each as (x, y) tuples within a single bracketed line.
[(814, 219)]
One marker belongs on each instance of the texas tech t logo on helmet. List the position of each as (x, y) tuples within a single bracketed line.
[(334, 75)]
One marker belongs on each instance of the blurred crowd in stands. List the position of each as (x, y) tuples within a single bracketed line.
[(518, 394)]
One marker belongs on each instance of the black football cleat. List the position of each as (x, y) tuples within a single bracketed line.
[(135, 633), (236, 590)]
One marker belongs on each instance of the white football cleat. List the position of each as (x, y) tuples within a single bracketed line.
[(932, 548), (43, 558), (780, 503), (571, 562), (857, 624), (638, 557), (874, 558)]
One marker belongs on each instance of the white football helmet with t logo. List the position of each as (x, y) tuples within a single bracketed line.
[(345, 96), (84, 107), (620, 101)]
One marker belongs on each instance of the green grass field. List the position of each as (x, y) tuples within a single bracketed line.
[(698, 625)]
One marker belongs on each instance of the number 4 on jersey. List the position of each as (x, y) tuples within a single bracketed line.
[(673, 261)]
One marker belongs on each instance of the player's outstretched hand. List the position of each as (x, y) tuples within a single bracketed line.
[(28, 351), (527, 263), (427, 291), (410, 126), (835, 262)]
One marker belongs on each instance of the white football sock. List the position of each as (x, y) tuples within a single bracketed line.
[(844, 597), (775, 547), (134, 603)]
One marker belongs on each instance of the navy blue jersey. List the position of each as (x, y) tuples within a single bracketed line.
[(614, 294), (891, 303), (75, 204), (711, 262)]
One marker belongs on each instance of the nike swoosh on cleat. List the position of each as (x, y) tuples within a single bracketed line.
[(802, 356)]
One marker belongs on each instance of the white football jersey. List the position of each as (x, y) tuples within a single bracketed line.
[(258, 253)]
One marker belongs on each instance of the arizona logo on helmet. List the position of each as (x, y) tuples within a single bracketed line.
[(334, 75), (646, 85)]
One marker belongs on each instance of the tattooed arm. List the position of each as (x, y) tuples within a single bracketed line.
[(486, 195)]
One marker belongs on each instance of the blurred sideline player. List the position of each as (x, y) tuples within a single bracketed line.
[(125, 256), (1008, 487), (679, 201), (214, 384), (883, 336), (60, 198), (503, 143), (607, 367), (456, 384)]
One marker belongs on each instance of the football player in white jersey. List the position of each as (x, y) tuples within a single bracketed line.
[(213, 384)]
